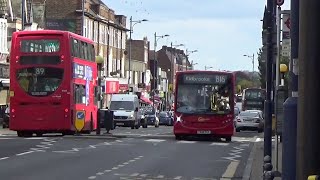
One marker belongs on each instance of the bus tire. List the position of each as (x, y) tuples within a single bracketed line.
[(20, 133), (228, 139), (179, 137)]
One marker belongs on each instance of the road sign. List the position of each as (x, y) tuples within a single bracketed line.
[(80, 120), (286, 23), (280, 2)]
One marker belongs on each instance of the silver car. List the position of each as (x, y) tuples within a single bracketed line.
[(250, 120)]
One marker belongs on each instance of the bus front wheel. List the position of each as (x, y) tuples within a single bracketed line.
[(228, 139), (24, 134), (179, 137)]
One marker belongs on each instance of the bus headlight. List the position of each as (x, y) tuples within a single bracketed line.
[(179, 119)]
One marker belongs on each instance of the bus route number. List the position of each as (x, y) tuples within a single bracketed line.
[(220, 79), (39, 71)]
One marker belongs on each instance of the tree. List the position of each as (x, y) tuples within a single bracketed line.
[(262, 68), (244, 83)]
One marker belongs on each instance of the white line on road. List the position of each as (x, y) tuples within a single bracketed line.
[(134, 174), (92, 177), (155, 140), (100, 173), (178, 178), (28, 152), (231, 170), (3, 158), (219, 144)]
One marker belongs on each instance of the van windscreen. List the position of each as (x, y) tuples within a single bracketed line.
[(121, 105)]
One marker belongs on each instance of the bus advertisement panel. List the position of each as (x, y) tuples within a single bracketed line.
[(204, 104), (52, 83)]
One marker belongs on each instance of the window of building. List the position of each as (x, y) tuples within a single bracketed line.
[(95, 32)]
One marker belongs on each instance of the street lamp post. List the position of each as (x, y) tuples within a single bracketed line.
[(172, 61), (187, 55), (130, 42), (252, 58), (155, 76), (99, 61)]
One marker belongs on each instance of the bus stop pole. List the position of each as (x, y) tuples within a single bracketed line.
[(308, 144)]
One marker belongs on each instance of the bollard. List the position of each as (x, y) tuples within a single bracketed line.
[(267, 168)]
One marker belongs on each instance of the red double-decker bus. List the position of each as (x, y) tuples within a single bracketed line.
[(52, 83), (204, 104)]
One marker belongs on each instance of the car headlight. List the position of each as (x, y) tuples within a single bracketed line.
[(131, 115)]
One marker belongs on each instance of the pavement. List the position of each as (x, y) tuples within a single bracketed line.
[(257, 159), (151, 153)]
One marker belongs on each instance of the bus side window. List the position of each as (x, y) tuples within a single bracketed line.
[(96, 95), (79, 94)]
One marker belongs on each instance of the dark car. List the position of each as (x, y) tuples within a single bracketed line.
[(152, 118), (165, 118)]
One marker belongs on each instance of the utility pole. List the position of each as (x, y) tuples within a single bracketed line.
[(23, 15), (308, 145), (269, 63)]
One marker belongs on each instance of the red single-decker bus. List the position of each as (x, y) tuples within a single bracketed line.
[(52, 83), (204, 104)]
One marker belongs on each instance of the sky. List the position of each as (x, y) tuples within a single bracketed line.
[(222, 31)]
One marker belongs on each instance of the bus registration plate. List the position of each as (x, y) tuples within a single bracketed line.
[(203, 132)]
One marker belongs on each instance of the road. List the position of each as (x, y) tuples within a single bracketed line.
[(110, 158)]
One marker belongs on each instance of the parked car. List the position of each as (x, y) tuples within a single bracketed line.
[(250, 120), (152, 118), (165, 118)]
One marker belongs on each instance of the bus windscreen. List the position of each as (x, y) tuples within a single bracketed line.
[(204, 94)]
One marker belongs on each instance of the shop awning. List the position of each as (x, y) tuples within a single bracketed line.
[(145, 100)]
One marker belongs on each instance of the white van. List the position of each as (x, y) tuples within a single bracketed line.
[(126, 110)]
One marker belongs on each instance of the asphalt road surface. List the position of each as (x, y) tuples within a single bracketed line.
[(131, 157)]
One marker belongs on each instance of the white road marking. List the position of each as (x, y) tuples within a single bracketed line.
[(35, 138), (3, 158), (231, 170), (178, 178), (160, 176), (108, 170), (28, 152), (121, 165), (154, 140), (143, 175), (114, 168), (219, 144), (134, 174), (92, 177), (186, 142), (100, 173)]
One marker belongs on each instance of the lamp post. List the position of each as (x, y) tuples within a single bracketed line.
[(155, 76), (99, 61), (252, 58), (187, 55), (173, 62), (130, 41)]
